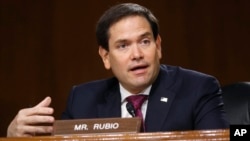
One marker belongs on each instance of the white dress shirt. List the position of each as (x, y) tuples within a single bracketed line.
[(125, 94)]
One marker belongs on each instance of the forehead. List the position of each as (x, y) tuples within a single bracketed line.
[(128, 25)]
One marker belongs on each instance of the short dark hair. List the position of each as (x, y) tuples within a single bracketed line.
[(116, 13)]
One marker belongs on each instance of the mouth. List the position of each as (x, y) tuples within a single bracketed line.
[(139, 68)]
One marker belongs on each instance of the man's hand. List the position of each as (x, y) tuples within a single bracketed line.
[(29, 121)]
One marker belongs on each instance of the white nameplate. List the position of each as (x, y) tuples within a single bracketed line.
[(97, 125)]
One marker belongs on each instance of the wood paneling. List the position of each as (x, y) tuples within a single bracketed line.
[(201, 135)]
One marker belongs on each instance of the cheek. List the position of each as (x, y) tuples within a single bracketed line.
[(152, 55), (114, 61), (118, 64), (156, 54)]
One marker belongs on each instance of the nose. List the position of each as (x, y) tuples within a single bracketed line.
[(136, 53)]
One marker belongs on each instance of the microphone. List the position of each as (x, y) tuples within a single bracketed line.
[(130, 109)]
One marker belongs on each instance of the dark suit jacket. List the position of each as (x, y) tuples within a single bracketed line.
[(194, 101)]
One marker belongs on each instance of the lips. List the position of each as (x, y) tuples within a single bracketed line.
[(138, 67)]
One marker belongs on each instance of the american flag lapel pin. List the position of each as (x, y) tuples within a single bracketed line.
[(164, 99)]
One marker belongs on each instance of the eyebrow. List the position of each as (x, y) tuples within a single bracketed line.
[(146, 34)]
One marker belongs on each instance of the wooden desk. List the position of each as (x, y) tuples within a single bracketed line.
[(222, 135)]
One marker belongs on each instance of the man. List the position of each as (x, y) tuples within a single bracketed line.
[(130, 45)]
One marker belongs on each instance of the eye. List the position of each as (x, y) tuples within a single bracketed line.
[(121, 46), (145, 42)]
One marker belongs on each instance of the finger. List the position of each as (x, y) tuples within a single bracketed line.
[(41, 111), (23, 113), (17, 134), (45, 103), (36, 120), (21, 130), (34, 130)]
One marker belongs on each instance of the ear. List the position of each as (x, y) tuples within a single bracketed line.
[(105, 57), (158, 46)]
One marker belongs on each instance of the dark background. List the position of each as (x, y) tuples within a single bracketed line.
[(47, 46)]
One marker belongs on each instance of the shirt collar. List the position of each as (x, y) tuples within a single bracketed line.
[(125, 93)]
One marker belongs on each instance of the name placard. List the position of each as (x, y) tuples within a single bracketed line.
[(98, 125)]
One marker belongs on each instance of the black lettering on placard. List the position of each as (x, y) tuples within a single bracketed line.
[(239, 132)]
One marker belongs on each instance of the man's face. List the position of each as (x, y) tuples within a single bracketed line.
[(134, 55)]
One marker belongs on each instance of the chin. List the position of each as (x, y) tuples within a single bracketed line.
[(143, 84)]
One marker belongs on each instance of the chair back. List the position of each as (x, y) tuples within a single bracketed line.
[(236, 98)]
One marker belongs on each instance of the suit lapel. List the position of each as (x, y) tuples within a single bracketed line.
[(111, 104), (159, 102)]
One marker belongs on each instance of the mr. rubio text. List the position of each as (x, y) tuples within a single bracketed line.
[(97, 126)]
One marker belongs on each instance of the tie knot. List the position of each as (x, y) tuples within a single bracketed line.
[(137, 100)]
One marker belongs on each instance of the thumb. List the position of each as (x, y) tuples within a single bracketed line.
[(45, 103)]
